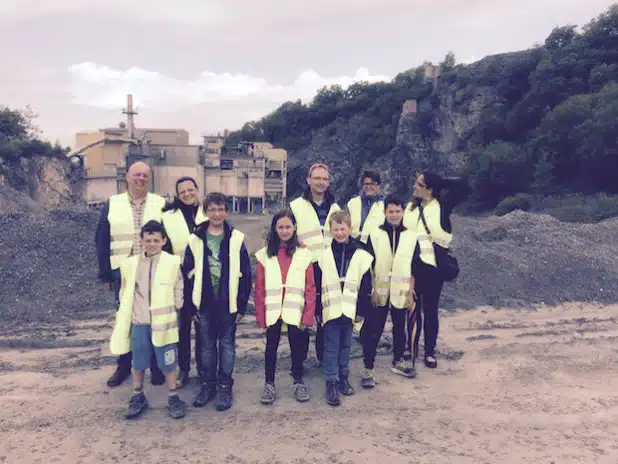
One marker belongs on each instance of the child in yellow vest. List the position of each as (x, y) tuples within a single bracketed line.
[(284, 296), (151, 294), (344, 277)]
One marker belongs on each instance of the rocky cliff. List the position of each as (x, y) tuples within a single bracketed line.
[(33, 183)]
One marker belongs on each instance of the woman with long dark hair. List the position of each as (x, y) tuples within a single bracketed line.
[(428, 214), (284, 295), (180, 218)]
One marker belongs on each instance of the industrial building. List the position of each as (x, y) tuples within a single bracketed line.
[(252, 174)]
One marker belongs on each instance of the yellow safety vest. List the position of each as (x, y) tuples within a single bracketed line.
[(412, 221), (375, 218), (337, 302), (197, 245), (308, 227), (164, 317), (288, 307), (121, 227), (392, 273), (177, 230)]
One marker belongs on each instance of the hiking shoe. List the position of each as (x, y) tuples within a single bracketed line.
[(182, 380), (176, 407), (157, 377), (332, 393), (431, 362), (407, 355), (224, 397), (300, 392), (268, 394), (368, 378), (404, 368), (137, 405), (344, 386), (118, 377), (206, 394)]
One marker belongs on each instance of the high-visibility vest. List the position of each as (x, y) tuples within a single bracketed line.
[(374, 219), (121, 224), (288, 307), (337, 302), (177, 229), (412, 221), (197, 245), (308, 228), (164, 317), (392, 273)]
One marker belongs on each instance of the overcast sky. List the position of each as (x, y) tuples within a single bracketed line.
[(207, 65)]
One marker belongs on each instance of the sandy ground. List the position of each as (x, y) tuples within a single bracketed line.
[(513, 386)]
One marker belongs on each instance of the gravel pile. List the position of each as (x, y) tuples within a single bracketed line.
[(48, 265)]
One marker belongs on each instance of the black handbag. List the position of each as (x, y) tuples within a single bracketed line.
[(446, 262)]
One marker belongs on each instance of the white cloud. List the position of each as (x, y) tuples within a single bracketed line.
[(100, 86)]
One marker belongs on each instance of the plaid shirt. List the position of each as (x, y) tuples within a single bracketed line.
[(138, 213)]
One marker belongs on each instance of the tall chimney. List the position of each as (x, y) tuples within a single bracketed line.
[(130, 113)]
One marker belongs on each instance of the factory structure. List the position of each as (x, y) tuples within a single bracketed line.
[(251, 174)]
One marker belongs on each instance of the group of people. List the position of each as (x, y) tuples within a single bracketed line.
[(181, 265)]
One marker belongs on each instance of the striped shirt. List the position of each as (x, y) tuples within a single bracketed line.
[(138, 213)]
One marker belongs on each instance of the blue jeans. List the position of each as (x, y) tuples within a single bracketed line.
[(218, 344), (337, 343), (142, 349)]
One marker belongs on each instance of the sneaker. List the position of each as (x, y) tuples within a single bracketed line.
[(176, 407), (224, 397), (206, 394), (157, 377), (368, 378), (407, 355), (300, 392), (137, 405), (268, 394), (344, 386), (332, 393), (182, 380), (118, 377), (404, 368), (431, 362)]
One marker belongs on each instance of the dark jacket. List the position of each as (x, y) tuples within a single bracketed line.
[(209, 300), (102, 242), (343, 254)]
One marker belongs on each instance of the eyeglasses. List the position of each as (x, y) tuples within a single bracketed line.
[(370, 184), (215, 210)]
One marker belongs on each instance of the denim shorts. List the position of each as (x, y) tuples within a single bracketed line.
[(141, 347)]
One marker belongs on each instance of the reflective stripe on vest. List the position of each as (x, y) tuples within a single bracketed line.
[(336, 302), (120, 217), (177, 230), (288, 307), (374, 219), (164, 317), (412, 221), (392, 274), (196, 245), (310, 232)]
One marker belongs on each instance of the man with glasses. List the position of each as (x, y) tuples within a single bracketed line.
[(367, 208), (312, 211)]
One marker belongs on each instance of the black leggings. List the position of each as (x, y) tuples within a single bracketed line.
[(297, 339), (428, 288)]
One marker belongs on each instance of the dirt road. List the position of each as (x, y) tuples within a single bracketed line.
[(513, 386)]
